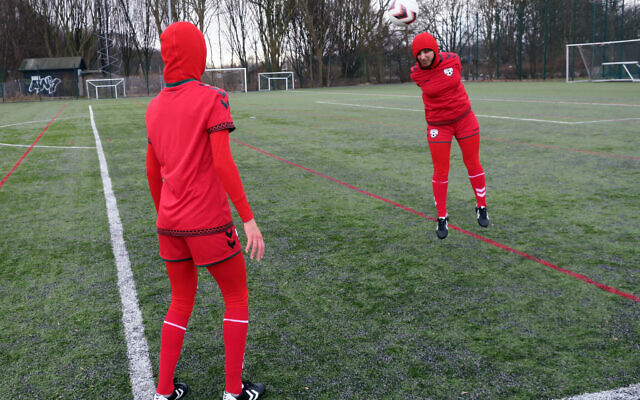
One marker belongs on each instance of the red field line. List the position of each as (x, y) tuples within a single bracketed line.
[(581, 277), (31, 147)]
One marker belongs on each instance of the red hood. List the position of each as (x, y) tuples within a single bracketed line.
[(424, 41), (184, 52)]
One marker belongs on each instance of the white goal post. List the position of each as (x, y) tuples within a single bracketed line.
[(113, 83), (229, 79), (265, 80), (603, 61)]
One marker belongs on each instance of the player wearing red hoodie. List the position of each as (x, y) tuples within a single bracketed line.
[(448, 113), (191, 171)]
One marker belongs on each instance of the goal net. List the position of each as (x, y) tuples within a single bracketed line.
[(105, 88), (603, 61), (229, 79), (282, 80)]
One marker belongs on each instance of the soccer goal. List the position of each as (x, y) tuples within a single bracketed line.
[(603, 61), (282, 80), (229, 79), (112, 84)]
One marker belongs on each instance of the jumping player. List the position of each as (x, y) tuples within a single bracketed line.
[(191, 171), (448, 113)]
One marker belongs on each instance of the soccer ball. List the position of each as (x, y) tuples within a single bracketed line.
[(402, 12)]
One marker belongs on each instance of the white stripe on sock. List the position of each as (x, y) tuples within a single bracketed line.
[(236, 320), (176, 325), (475, 175)]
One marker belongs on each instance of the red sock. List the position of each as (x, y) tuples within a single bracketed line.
[(184, 283), (470, 148), (479, 187), (440, 185), (231, 276), (173, 330), (234, 331), (440, 182)]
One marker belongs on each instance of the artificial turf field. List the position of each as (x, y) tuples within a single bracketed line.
[(356, 297)]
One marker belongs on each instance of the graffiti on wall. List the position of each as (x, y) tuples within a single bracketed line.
[(47, 84)]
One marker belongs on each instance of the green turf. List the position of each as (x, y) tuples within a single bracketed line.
[(355, 298)]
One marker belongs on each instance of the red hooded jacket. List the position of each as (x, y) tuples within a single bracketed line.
[(189, 164), (445, 99)]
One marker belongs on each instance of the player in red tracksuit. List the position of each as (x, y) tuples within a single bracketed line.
[(191, 171), (448, 113)]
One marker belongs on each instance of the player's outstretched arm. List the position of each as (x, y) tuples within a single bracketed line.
[(230, 178), (154, 176)]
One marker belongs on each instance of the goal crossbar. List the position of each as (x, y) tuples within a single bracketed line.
[(281, 75), (608, 54), (106, 83)]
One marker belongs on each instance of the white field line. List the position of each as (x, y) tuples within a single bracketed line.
[(549, 121), (581, 103), (578, 103), (142, 383), (48, 147), (37, 121), (627, 393)]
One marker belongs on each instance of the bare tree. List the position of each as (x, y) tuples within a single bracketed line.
[(70, 28), (19, 39), (316, 18), (444, 20), (240, 26), (160, 13), (273, 18)]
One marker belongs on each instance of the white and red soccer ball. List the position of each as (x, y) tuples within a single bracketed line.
[(402, 12)]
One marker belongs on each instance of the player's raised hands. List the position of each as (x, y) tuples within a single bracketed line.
[(254, 240)]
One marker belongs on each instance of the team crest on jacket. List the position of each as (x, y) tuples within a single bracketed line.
[(433, 133), (448, 71)]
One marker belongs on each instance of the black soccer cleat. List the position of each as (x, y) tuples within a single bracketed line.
[(179, 391), (250, 391), (443, 227), (483, 216)]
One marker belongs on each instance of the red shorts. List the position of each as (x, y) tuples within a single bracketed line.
[(205, 250), (464, 128)]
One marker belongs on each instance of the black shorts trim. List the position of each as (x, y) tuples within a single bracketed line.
[(438, 142), (467, 137), (218, 262), (181, 260), (196, 232)]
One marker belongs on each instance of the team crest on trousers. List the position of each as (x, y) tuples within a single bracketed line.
[(433, 133), (448, 71)]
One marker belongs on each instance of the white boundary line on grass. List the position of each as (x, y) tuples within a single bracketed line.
[(35, 122), (578, 103), (48, 147), (142, 383), (550, 121), (626, 393)]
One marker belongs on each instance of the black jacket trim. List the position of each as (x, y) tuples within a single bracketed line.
[(221, 127)]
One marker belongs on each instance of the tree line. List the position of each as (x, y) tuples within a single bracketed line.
[(323, 41)]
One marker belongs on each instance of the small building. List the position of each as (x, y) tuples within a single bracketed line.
[(55, 77)]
